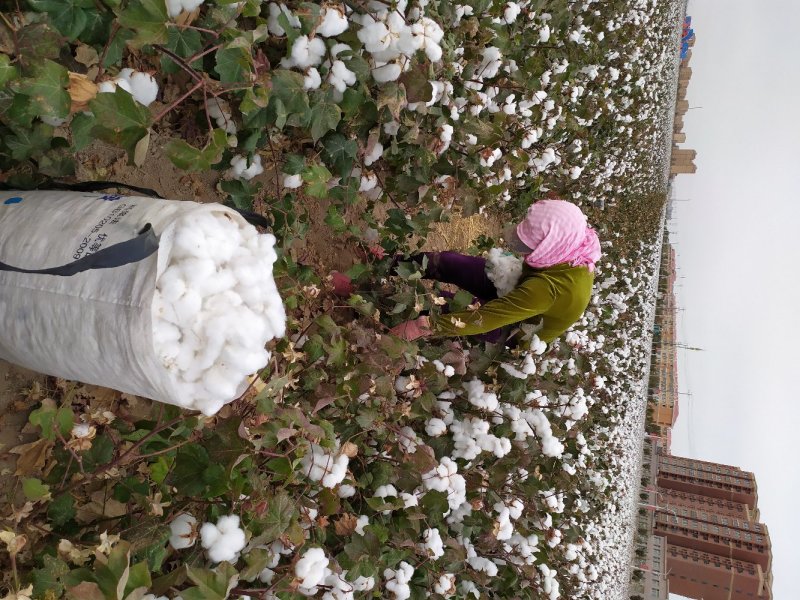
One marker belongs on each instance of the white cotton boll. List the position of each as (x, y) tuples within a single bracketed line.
[(312, 79), (310, 569), (183, 532), (275, 11), (361, 522), (340, 77), (511, 12), (435, 427), (224, 540), (240, 169), (346, 491), (504, 270), (333, 23), (432, 544), (368, 182), (124, 84), (445, 585), (145, 88), (387, 72), (374, 154), (106, 87), (292, 181), (363, 584)]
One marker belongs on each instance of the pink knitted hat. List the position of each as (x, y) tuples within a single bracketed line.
[(556, 231)]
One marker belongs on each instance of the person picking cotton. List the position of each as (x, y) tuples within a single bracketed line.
[(560, 251)]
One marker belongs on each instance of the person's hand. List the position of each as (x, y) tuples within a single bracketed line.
[(413, 329)]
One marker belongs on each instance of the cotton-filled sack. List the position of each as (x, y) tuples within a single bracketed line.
[(184, 325)]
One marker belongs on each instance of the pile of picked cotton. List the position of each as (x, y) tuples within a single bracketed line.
[(215, 307)]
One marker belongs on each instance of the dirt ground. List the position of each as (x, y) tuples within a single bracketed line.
[(322, 249), (14, 383)]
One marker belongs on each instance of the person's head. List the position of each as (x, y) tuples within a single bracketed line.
[(554, 232)]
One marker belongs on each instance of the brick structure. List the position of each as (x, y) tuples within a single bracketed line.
[(716, 548)]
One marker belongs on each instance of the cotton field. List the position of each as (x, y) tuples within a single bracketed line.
[(356, 464)]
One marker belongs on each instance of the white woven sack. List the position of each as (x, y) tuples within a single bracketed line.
[(94, 326)]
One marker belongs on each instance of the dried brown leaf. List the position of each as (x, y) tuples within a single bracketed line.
[(32, 456), (345, 525), (81, 89)]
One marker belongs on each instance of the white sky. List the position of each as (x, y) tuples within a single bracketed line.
[(737, 242)]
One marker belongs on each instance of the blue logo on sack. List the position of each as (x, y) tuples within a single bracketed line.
[(13, 200)]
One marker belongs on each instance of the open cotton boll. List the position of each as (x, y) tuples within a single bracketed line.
[(306, 52), (176, 7), (310, 569), (183, 532), (333, 22), (224, 540), (241, 170), (142, 86), (275, 11), (340, 76), (387, 72), (503, 270)]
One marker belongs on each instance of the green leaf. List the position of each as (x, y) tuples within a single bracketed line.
[(189, 158), (233, 65), (281, 511), (240, 193), (339, 153), (34, 489), (148, 19), (287, 86), (294, 164), (184, 43), (47, 90), (255, 98), (25, 143), (59, 161), (317, 177), (325, 116), (160, 468), (81, 127), (112, 577), (212, 584), (61, 510), (68, 16), (257, 560), (44, 417), (138, 577), (120, 119), (48, 578), (99, 454), (335, 220), (8, 71), (37, 41), (117, 47), (190, 464)]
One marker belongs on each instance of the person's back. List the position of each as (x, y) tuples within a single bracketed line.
[(572, 290)]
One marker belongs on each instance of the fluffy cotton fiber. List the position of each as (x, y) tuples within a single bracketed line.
[(215, 307)]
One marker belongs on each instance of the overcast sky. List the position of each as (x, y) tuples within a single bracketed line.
[(738, 244)]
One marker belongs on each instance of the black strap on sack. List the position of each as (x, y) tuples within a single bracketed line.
[(123, 253), (117, 255)]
